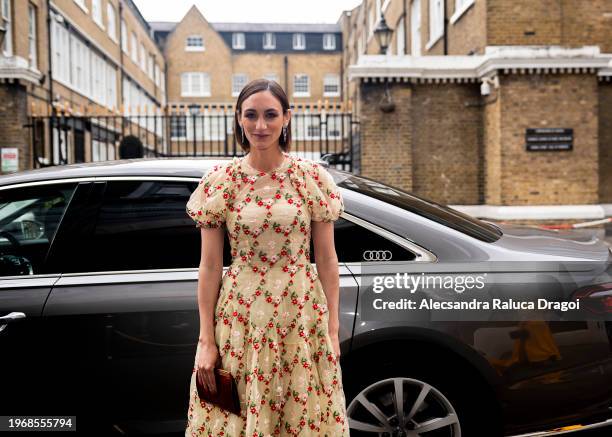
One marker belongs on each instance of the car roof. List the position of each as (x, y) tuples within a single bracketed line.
[(178, 167)]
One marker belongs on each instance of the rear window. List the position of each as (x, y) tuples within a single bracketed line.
[(426, 208)]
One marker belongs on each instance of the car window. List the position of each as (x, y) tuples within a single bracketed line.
[(426, 208), (29, 219), (142, 225), (354, 243)]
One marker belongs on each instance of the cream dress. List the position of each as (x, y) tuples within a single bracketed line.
[(271, 316)]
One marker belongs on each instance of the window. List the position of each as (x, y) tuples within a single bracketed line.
[(331, 85), (80, 61), (238, 41), (110, 22), (436, 21), (124, 37), (238, 82), (61, 52), (32, 40), (329, 41), (401, 38), (208, 125), (269, 41), (371, 22), (134, 220), (96, 11), (134, 48), (8, 38), (461, 6), (271, 76), (301, 85), (353, 241), (299, 41), (81, 4), (143, 58), (425, 208), (156, 79), (150, 64), (194, 43), (306, 126), (178, 127), (415, 28), (195, 85), (32, 216)]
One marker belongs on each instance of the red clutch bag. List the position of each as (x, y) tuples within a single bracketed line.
[(227, 391)]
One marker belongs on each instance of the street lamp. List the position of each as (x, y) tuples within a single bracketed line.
[(383, 34)]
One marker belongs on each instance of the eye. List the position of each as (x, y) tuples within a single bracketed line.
[(271, 115), (250, 116)]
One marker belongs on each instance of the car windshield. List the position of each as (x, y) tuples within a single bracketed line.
[(426, 208)]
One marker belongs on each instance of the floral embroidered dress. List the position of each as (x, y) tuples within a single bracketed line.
[(271, 316)]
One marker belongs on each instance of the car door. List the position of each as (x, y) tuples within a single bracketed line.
[(30, 215)]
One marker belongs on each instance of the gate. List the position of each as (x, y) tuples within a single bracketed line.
[(318, 132)]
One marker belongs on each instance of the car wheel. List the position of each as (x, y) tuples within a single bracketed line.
[(403, 401)]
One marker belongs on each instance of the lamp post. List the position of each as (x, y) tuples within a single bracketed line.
[(383, 34)]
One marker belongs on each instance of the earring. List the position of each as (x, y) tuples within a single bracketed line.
[(285, 134)]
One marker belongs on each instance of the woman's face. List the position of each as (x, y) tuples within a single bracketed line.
[(262, 120)]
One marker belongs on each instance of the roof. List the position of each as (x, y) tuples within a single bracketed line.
[(168, 26)]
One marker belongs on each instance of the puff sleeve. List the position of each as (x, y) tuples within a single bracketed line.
[(207, 205), (324, 198)]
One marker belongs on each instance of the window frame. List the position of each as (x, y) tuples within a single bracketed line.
[(238, 41), (235, 76), (436, 22), (111, 21), (297, 37), (6, 12), (125, 47), (461, 7), (134, 48), (301, 93), (205, 85), (194, 48), (269, 41), (32, 36), (97, 13), (327, 37), (336, 77)]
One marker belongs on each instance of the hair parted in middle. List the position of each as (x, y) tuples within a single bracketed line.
[(256, 86)]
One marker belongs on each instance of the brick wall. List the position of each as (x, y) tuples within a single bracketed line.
[(605, 142), (13, 117)]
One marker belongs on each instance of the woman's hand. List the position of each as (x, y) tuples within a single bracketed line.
[(208, 357), (335, 343)]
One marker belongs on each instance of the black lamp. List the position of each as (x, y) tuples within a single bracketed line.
[(383, 34)]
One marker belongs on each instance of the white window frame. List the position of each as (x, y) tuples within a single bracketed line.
[(371, 22), (6, 15), (299, 41), (239, 81), (297, 77), (194, 48), (238, 41), (461, 7), (269, 41), (81, 4), (143, 57), (329, 41), (436, 22), (400, 37), (156, 75), (150, 66), (331, 79), (111, 21), (188, 80), (134, 48), (415, 28), (124, 37), (386, 5), (96, 12), (209, 125), (32, 36)]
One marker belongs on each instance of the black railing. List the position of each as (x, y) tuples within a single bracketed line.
[(330, 133)]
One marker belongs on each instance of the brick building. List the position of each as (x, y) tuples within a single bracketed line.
[(80, 57), (496, 102)]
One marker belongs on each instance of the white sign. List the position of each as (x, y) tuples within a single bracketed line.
[(10, 159)]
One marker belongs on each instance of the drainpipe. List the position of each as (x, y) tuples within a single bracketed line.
[(50, 58), (121, 50), (445, 28)]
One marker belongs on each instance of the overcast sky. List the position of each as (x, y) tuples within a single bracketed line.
[(249, 11)]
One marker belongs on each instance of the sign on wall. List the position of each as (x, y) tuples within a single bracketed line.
[(549, 138), (10, 159)]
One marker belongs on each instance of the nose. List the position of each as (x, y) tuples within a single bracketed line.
[(261, 123)]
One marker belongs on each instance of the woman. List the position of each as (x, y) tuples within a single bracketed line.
[(274, 322)]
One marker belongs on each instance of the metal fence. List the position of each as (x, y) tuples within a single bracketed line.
[(318, 132)]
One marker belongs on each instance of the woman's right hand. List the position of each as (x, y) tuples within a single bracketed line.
[(208, 357)]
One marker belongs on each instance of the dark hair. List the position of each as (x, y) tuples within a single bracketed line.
[(130, 147), (256, 86)]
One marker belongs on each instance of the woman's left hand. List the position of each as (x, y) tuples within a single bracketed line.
[(335, 343)]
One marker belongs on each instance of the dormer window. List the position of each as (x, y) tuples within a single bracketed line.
[(329, 41), (238, 41), (269, 41), (299, 41)]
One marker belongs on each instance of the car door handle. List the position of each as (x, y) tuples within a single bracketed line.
[(10, 318)]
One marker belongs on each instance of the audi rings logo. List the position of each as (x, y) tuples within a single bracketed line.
[(377, 255)]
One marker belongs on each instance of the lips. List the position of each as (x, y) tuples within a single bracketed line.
[(260, 136)]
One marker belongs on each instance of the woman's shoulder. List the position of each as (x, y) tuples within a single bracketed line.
[(222, 171)]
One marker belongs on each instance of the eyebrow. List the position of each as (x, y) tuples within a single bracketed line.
[(267, 110)]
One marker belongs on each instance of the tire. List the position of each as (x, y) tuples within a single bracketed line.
[(454, 394)]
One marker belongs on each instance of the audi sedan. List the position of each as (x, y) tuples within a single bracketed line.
[(99, 316)]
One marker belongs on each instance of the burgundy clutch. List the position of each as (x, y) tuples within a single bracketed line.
[(227, 391)]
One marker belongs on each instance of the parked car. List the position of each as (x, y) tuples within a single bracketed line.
[(99, 316)]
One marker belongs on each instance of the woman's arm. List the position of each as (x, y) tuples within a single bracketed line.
[(209, 280), (327, 269)]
